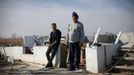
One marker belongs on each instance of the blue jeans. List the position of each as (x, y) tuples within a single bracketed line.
[(74, 55)]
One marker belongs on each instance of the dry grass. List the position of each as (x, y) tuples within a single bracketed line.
[(11, 41)]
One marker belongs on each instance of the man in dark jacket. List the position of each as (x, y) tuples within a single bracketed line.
[(54, 42)]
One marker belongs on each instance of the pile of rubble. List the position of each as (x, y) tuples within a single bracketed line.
[(124, 62)]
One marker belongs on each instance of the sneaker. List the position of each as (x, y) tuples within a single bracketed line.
[(78, 70), (49, 65), (71, 69)]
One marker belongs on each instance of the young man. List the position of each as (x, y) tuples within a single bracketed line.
[(54, 42), (75, 38)]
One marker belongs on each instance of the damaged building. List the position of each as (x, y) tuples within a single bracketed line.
[(110, 53)]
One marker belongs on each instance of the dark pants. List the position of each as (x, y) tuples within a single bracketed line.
[(51, 51), (74, 55)]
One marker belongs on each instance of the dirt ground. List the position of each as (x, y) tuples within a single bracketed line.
[(36, 69)]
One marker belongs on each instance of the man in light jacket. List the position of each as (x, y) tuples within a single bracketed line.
[(75, 39)]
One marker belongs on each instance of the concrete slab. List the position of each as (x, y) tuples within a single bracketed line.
[(127, 37)]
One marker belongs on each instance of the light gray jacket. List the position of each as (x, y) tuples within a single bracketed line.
[(75, 32)]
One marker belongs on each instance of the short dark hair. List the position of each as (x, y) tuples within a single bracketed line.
[(54, 24)]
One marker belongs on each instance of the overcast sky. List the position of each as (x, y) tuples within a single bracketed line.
[(34, 17)]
